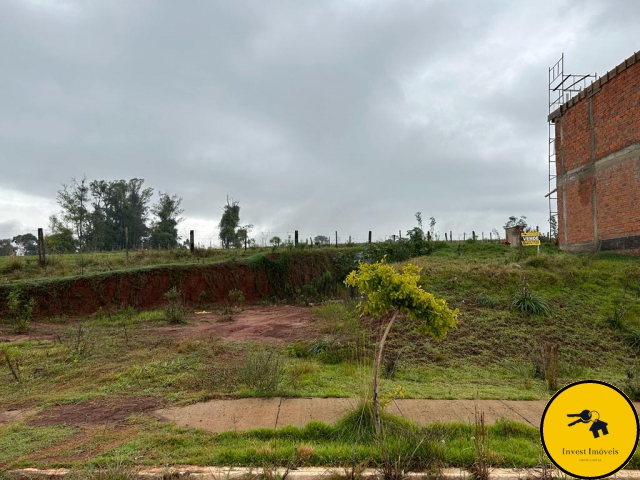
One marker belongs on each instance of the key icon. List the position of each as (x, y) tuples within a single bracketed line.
[(584, 417)]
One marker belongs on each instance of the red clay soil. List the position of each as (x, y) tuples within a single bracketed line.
[(94, 412), (145, 288), (264, 323)]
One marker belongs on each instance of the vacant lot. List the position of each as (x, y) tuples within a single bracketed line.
[(81, 388)]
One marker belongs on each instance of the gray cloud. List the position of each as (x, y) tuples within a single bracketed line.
[(316, 116)]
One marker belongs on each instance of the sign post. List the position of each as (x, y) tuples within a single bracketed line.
[(531, 239)]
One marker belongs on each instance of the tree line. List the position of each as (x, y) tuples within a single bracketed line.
[(105, 215)]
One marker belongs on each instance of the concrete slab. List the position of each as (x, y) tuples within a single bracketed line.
[(224, 415), (300, 411), (250, 413)]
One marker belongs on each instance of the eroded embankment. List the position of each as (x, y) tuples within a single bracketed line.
[(259, 278)]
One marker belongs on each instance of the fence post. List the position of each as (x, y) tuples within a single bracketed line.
[(490, 237), (369, 236), (400, 234), (336, 238), (464, 236), (41, 247), (126, 242), (450, 235), (191, 241), (296, 238), (473, 234), (446, 239), (349, 239)]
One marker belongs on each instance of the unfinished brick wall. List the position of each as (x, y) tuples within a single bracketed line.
[(598, 163)]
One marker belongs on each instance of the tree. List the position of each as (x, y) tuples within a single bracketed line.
[(321, 240), (516, 222), (6, 249), (120, 205), (242, 236), (229, 223), (275, 241), (418, 216), (27, 244), (117, 206), (60, 240), (389, 294), (74, 200), (164, 232)]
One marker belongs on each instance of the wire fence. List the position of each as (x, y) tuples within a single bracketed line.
[(207, 239), (266, 239)]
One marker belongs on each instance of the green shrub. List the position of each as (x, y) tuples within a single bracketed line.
[(335, 356), (19, 312), (175, 310), (262, 371), (616, 319), (12, 264), (528, 303), (298, 350), (236, 296)]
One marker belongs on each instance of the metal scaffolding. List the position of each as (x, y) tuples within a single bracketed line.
[(562, 88)]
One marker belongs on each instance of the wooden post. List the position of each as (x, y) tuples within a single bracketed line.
[(192, 245), (490, 236), (464, 236), (126, 242), (483, 236), (295, 241), (473, 234), (349, 239), (400, 234), (369, 236), (336, 238), (446, 239), (450, 236), (41, 247)]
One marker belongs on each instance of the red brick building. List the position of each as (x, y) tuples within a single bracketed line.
[(598, 163)]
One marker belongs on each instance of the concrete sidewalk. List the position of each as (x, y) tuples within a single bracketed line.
[(311, 473), (251, 413)]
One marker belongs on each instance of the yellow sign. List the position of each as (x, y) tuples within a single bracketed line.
[(589, 429), (530, 239)]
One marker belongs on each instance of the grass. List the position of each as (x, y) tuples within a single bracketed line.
[(153, 443), (495, 353), (14, 269)]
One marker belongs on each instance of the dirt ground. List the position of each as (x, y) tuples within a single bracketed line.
[(275, 324), (267, 323), (93, 412)]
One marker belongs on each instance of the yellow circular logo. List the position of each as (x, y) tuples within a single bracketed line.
[(589, 429)]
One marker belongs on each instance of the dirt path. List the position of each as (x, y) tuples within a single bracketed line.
[(250, 413)]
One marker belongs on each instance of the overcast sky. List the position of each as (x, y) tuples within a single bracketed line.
[(315, 115)]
